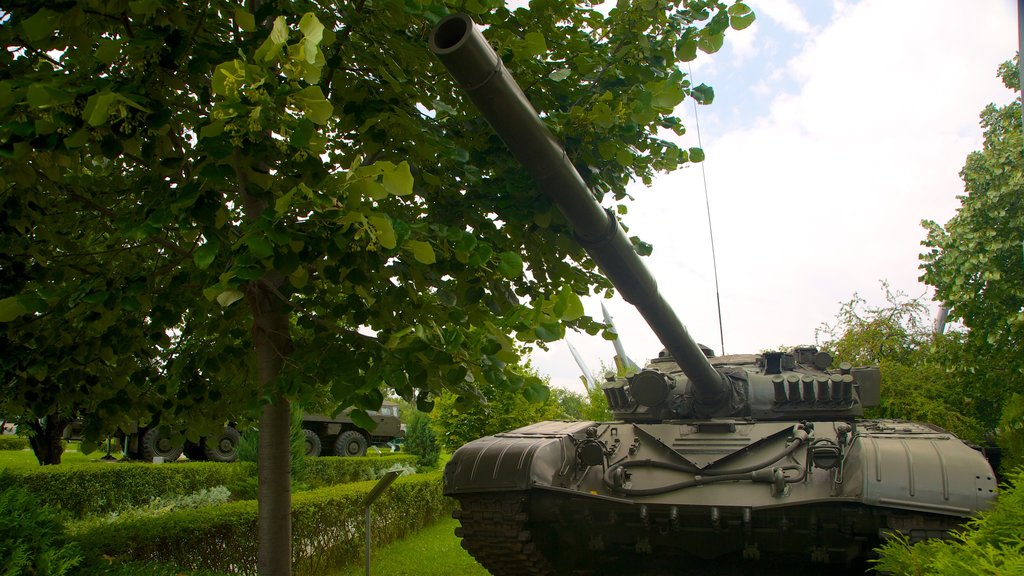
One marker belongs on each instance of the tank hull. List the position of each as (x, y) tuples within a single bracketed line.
[(529, 505)]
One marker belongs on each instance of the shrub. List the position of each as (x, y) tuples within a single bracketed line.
[(332, 470), (31, 537), (326, 528), (421, 440), (992, 544), (13, 443), (82, 489)]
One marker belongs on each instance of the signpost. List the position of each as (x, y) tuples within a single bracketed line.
[(375, 493)]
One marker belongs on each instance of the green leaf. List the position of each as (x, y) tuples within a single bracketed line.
[(711, 43), (43, 96), (533, 45), (279, 33), (571, 305), (536, 393), (549, 332), (107, 50), (206, 253), (10, 308), (299, 278), (665, 95), (362, 419), (311, 28), (40, 26), (560, 74), (696, 154), (398, 179), (229, 297), (385, 232), (740, 16), (686, 49), (421, 251), (703, 94), (259, 246), (302, 133), (245, 20), (97, 108), (510, 265), (313, 104)]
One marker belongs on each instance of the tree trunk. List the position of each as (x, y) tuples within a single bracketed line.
[(45, 438), (272, 343)]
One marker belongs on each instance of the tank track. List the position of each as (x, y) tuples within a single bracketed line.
[(495, 530)]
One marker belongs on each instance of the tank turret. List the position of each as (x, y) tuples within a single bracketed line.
[(740, 456)]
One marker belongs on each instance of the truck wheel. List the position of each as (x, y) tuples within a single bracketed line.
[(313, 444), (223, 447), (350, 443), (160, 444), (194, 452)]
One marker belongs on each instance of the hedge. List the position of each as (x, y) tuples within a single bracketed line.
[(90, 488), (94, 488), (330, 470), (13, 443), (327, 529)]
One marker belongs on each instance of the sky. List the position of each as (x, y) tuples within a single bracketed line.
[(837, 127)]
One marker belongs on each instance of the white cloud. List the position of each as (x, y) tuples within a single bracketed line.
[(786, 12), (823, 195)]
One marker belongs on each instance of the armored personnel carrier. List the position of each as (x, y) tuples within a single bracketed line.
[(740, 456)]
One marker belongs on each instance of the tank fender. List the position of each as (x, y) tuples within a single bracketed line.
[(542, 454), (910, 466)]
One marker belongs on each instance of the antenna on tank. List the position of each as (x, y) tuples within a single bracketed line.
[(711, 232)]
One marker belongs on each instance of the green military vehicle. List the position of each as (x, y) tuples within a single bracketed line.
[(741, 457), (324, 435)]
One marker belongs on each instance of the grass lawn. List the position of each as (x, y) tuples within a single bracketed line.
[(433, 551), (26, 459)]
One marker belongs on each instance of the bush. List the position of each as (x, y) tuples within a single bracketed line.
[(421, 440), (326, 528), (992, 544), (31, 537), (331, 470), (13, 443), (79, 490)]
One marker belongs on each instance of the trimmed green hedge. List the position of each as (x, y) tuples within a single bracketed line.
[(95, 488), (327, 528), (82, 489), (330, 470), (13, 443)]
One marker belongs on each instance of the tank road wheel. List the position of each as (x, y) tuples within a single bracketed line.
[(313, 445), (350, 443), (222, 447), (194, 451), (160, 444)]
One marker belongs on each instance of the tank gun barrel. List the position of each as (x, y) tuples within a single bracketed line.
[(479, 71)]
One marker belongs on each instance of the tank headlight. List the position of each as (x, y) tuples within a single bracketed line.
[(826, 456), (649, 388)]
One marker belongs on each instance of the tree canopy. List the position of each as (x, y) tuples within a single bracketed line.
[(270, 202), (975, 262)]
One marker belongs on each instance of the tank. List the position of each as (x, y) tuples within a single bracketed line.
[(744, 458)]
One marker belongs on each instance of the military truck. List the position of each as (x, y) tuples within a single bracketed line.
[(324, 435)]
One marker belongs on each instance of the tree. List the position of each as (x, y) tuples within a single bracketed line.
[(489, 409), (975, 260), (421, 440), (277, 199), (917, 380)]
